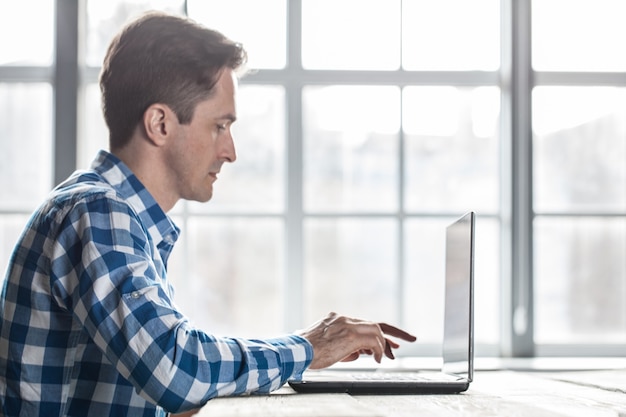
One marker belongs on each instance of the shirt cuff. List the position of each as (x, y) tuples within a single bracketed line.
[(296, 354)]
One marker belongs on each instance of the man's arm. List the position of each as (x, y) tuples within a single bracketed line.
[(119, 297)]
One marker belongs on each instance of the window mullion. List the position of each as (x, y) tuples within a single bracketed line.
[(517, 259), (65, 88), (294, 212)]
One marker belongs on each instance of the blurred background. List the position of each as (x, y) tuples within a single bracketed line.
[(365, 127)]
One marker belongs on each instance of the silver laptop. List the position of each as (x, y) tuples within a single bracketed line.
[(458, 340)]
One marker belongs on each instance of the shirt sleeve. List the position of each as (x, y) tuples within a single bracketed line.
[(104, 272)]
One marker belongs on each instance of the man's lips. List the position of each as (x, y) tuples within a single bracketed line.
[(213, 174)]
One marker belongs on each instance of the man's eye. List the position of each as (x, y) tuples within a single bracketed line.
[(222, 127)]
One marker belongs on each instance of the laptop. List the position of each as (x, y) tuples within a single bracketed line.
[(458, 340)]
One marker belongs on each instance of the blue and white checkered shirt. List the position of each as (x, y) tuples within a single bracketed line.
[(87, 322)]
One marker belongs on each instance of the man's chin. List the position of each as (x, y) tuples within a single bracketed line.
[(205, 199), (201, 197)]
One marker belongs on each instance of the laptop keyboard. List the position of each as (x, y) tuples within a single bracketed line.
[(404, 376)]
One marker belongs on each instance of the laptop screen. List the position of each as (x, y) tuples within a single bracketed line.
[(458, 354)]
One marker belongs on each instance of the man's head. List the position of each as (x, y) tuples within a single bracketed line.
[(160, 58)]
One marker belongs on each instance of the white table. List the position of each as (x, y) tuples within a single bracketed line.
[(511, 393)]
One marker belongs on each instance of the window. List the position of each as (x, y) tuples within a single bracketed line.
[(335, 37), (35, 44), (359, 137), (371, 161), (26, 115), (579, 175)]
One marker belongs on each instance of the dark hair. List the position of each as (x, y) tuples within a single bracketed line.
[(160, 58)]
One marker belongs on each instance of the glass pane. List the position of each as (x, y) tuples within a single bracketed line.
[(351, 148), (105, 18), (451, 153), (261, 26), (423, 293), (452, 35), (580, 35), (487, 271), (27, 31), (580, 280), (256, 180), (351, 34), (96, 133), (10, 228), (579, 149), (347, 271), (26, 146), (229, 275)]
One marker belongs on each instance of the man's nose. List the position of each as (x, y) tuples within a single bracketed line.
[(229, 153)]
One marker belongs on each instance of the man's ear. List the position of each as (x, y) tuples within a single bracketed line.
[(158, 123)]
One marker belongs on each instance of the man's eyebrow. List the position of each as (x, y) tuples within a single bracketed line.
[(229, 116)]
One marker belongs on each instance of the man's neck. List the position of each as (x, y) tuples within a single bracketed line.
[(146, 165)]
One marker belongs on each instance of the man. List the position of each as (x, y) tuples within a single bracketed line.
[(88, 326)]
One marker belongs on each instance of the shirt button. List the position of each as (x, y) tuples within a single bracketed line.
[(135, 294)]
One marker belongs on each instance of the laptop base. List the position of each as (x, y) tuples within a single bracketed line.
[(378, 388)]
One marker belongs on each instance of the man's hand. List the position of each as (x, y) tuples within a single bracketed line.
[(338, 338)]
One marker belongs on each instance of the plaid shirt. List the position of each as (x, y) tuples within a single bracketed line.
[(88, 326)]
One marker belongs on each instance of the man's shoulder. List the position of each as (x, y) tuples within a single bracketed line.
[(85, 193), (82, 187)]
